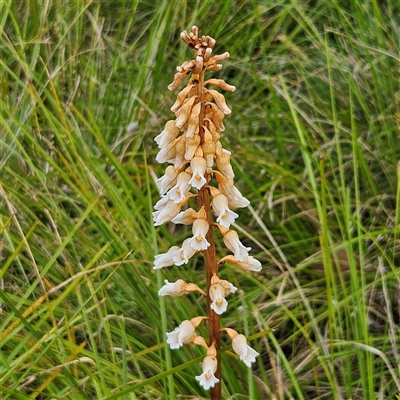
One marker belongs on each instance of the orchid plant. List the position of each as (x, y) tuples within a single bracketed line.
[(201, 170)]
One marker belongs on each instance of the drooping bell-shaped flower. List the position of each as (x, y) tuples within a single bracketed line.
[(248, 264), (226, 217), (169, 133), (199, 167), (178, 288), (184, 333), (167, 180), (178, 192), (169, 211), (239, 345), (246, 353), (200, 228), (182, 255), (235, 198), (207, 379), (219, 289), (165, 259), (232, 242)]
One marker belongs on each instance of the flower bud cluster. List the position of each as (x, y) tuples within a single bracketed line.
[(191, 144)]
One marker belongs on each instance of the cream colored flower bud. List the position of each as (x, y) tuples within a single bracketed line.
[(186, 217), (199, 65), (223, 161), (248, 264), (207, 54), (180, 149), (209, 149), (221, 84), (191, 146), (220, 100), (184, 112), (168, 212), (219, 57), (199, 167), (198, 241), (193, 121), (181, 97), (232, 242), (167, 180), (216, 115), (235, 198)]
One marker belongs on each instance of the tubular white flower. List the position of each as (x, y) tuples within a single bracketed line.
[(167, 180), (165, 259), (182, 255), (207, 379), (199, 229), (226, 217), (175, 289), (248, 264), (199, 166), (169, 211), (182, 334), (169, 133), (217, 295), (186, 217), (241, 348), (178, 192), (232, 242), (235, 198)]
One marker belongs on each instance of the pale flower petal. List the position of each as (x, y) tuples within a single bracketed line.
[(178, 192), (199, 229), (175, 289), (182, 255), (232, 242), (247, 264), (241, 348), (186, 217), (199, 167), (167, 180), (181, 335), (184, 112), (169, 211), (169, 133), (226, 217), (207, 379), (165, 259), (235, 198)]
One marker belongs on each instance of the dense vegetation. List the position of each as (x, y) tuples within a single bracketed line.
[(314, 135)]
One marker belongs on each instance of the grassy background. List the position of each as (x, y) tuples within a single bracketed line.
[(314, 136)]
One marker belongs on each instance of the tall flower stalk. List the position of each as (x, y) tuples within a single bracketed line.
[(201, 175)]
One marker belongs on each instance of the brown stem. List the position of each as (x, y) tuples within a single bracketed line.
[(210, 258)]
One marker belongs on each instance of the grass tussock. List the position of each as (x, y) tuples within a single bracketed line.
[(315, 139)]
